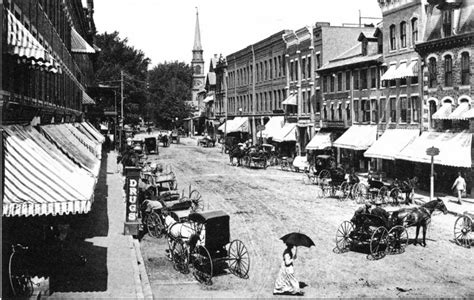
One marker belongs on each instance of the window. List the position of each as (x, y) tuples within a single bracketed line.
[(363, 78), (403, 34), (403, 81), (291, 71), (325, 113), (382, 114), (348, 80), (365, 106), (339, 82), (339, 112), (265, 71), (448, 70), (414, 31), (392, 83), (332, 112), (325, 84), (373, 79), (296, 71), (403, 109), (270, 68), (383, 83), (356, 80), (348, 112), (318, 61), (303, 68), (374, 109), (433, 73), (279, 66), (415, 106), (364, 48), (447, 22), (356, 110), (393, 110), (309, 67), (392, 37), (332, 82), (465, 68)]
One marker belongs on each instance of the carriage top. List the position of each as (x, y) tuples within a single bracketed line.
[(216, 224)]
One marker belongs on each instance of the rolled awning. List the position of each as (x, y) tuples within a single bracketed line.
[(357, 137), (444, 112), (459, 112), (391, 143), (39, 179), (79, 44), (454, 149), (321, 140), (291, 100), (390, 73), (22, 44), (286, 134)]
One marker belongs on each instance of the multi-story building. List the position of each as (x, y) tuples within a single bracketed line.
[(256, 81)]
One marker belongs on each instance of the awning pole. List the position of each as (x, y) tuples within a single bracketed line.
[(432, 178)]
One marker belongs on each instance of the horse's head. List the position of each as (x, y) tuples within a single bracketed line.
[(441, 206), (169, 221)]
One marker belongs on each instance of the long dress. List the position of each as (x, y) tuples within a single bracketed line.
[(286, 282)]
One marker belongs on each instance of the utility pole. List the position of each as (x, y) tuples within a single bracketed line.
[(121, 107)]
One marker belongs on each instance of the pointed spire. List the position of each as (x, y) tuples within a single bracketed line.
[(197, 34)]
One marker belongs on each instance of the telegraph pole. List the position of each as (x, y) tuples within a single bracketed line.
[(121, 108)]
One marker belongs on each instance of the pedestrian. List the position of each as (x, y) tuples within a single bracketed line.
[(286, 283), (460, 186)]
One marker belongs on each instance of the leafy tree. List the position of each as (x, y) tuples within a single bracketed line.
[(170, 89)]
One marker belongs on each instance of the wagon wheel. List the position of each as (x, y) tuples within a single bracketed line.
[(343, 236), (344, 189), (196, 201), (378, 243), (398, 240), (239, 259), (202, 263), (383, 194), (154, 225), (324, 174), (179, 255), (361, 193), (463, 231), (395, 196)]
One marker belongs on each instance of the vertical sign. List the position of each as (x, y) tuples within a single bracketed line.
[(132, 176)]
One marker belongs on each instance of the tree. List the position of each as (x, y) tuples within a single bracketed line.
[(116, 56), (170, 89)]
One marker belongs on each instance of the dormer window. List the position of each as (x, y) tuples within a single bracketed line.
[(447, 22), (364, 47)]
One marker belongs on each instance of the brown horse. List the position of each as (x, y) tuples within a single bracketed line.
[(420, 216)]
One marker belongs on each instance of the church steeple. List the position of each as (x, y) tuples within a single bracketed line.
[(198, 62), (197, 34)]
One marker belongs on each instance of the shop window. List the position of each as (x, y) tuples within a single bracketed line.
[(465, 68), (448, 70)]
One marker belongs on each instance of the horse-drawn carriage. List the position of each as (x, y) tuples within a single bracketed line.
[(463, 228), (387, 193), (255, 157), (164, 138), (203, 242), (206, 141), (151, 145), (174, 136)]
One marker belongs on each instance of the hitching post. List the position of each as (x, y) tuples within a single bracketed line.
[(432, 151)]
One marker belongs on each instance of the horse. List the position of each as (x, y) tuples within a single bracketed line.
[(238, 153), (420, 216), (407, 187), (188, 232)]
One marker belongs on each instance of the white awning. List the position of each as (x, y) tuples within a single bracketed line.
[(291, 100), (391, 143), (469, 114), (238, 124), (208, 99), (320, 141), (444, 112), (454, 149), (459, 112), (286, 134), (388, 75), (357, 137), (79, 44), (272, 127)]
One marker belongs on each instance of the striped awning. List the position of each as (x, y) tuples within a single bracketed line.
[(444, 112), (291, 100), (93, 131), (391, 143), (460, 112), (390, 73), (79, 44), (22, 44), (92, 145), (39, 179)]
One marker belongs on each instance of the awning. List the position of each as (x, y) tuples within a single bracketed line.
[(92, 131), (208, 99), (459, 112), (72, 147), (92, 145), (390, 73), (239, 124), (391, 143), (321, 140), (39, 179), (22, 43), (411, 70), (469, 114), (78, 44), (272, 127), (454, 149), (291, 100), (444, 112), (286, 134), (86, 99), (357, 137)]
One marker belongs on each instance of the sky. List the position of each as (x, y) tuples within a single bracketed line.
[(164, 29)]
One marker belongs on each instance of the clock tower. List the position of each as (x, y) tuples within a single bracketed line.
[(197, 63)]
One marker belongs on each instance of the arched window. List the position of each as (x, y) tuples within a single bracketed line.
[(197, 69), (403, 34), (431, 112), (448, 70), (414, 31), (392, 37), (433, 72), (465, 68), (447, 22)]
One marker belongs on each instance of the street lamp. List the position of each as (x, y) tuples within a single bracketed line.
[(240, 111), (176, 123)]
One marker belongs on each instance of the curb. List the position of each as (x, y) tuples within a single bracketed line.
[(142, 284)]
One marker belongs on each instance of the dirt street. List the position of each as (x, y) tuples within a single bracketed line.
[(266, 204)]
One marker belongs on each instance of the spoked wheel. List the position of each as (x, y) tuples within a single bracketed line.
[(398, 240), (344, 191), (202, 263), (324, 174), (196, 201), (383, 194), (463, 231), (395, 196), (179, 255), (343, 238), (379, 243), (20, 280), (239, 259), (361, 193), (154, 225)]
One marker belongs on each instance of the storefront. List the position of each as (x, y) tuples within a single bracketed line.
[(353, 143), (285, 140)]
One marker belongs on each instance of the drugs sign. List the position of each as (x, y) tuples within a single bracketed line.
[(132, 175)]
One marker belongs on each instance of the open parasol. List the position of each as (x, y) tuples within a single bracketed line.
[(297, 239)]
